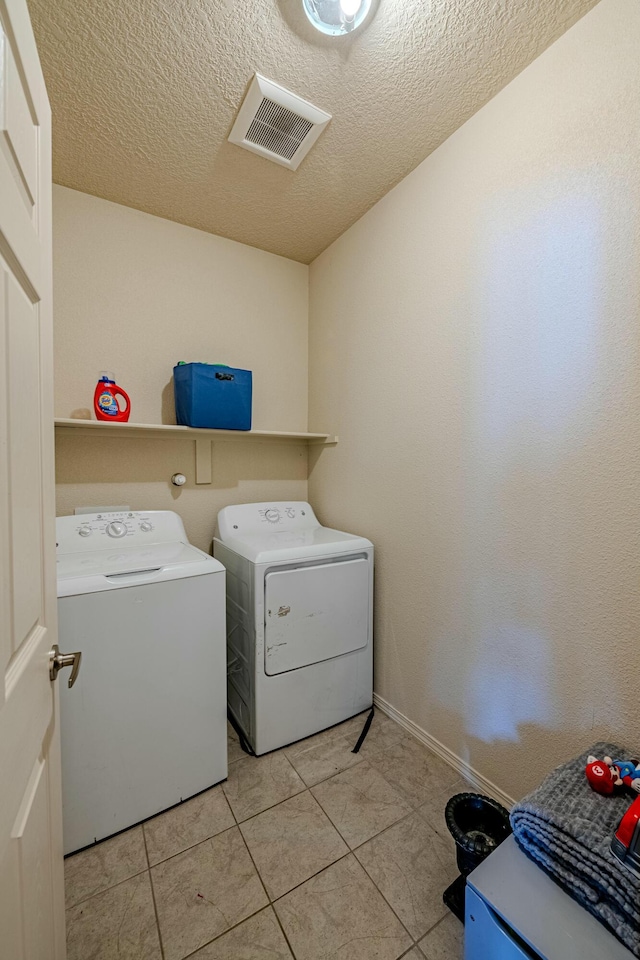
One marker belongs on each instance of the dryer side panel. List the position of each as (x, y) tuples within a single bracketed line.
[(315, 613), (241, 637)]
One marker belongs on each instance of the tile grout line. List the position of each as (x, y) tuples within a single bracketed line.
[(240, 922), (271, 902), (308, 788), (226, 798), (403, 793), (313, 875), (257, 814), (270, 807), (197, 842), (349, 853), (317, 783), (269, 906), (383, 831), (219, 936), (405, 734), (433, 925), (436, 924), (287, 892), (410, 951), (408, 932), (255, 866), (395, 824), (111, 886), (141, 825), (374, 835), (334, 825), (153, 896), (279, 922)]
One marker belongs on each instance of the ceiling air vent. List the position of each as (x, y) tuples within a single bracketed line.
[(277, 124)]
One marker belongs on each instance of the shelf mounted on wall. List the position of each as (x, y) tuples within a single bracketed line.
[(203, 438)]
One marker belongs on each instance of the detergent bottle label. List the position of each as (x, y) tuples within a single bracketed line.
[(107, 403)]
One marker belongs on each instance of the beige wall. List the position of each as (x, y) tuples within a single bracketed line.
[(135, 294), (474, 342)]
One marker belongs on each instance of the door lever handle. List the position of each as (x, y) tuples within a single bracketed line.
[(59, 660)]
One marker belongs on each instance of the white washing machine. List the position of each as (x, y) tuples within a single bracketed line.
[(299, 621), (144, 726)]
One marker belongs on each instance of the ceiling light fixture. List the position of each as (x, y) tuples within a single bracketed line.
[(336, 17)]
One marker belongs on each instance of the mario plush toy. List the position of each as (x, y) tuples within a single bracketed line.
[(606, 775)]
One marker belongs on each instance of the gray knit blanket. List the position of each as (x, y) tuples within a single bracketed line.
[(567, 828)]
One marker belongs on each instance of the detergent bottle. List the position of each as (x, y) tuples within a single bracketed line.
[(105, 402)]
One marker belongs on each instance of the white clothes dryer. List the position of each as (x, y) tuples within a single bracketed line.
[(145, 725), (299, 621)]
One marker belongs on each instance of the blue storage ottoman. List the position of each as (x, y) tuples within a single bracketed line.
[(214, 396)]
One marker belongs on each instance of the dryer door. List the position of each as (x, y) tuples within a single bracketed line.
[(315, 613)]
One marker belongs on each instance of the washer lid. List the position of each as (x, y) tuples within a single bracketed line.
[(90, 572)]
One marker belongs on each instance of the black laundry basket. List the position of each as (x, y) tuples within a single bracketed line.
[(478, 825)]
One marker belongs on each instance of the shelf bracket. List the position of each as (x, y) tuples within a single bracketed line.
[(203, 461)]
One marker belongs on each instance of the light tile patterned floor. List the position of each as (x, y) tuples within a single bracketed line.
[(308, 853)]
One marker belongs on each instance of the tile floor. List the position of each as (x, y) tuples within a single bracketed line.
[(312, 853)]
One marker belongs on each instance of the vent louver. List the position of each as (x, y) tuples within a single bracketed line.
[(277, 124), (277, 129)]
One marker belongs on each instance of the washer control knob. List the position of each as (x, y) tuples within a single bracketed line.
[(116, 528), (272, 516), (146, 527), (85, 531)]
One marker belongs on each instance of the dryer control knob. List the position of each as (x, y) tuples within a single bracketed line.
[(272, 516), (116, 528), (85, 531), (146, 527)]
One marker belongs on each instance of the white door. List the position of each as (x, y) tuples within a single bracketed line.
[(31, 871), (315, 613)]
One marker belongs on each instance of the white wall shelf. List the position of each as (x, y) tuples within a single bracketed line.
[(202, 437), (169, 431)]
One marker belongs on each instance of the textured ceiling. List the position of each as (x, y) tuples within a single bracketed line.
[(144, 93)]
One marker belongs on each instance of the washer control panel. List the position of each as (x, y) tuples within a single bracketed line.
[(98, 531), (116, 528)]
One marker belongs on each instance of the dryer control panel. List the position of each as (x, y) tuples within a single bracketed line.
[(100, 531), (256, 519)]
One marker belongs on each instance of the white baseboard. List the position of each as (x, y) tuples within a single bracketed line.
[(461, 766)]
